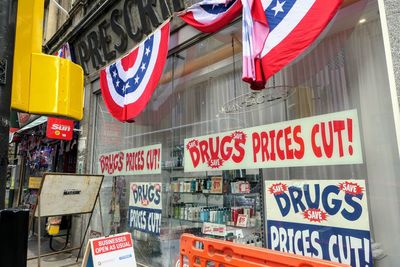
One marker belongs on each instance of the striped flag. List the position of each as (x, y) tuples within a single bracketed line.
[(255, 32), (128, 84), (212, 15), (293, 26)]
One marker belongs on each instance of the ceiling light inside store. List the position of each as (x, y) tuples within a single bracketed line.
[(361, 21)]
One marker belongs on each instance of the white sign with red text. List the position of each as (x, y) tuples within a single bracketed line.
[(136, 161), (330, 139), (112, 251), (214, 229)]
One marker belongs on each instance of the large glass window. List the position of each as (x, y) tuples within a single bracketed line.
[(201, 93)]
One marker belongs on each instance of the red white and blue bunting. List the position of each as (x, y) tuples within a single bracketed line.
[(212, 15), (275, 32), (128, 84)]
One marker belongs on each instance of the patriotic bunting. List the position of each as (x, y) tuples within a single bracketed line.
[(128, 84), (275, 32), (212, 15)]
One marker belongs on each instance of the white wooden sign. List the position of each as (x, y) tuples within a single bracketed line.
[(62, 194)]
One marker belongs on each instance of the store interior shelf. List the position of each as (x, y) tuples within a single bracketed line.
[(218, 194), (173, 168), (200, 222)]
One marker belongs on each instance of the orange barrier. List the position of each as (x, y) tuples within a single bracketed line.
[(200, 252)]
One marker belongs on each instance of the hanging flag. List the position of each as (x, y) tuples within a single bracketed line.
[(128, 84), (64, 52), (293, 27), (255, 32), (212, 15)]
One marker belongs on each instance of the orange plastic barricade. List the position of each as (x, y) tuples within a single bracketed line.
[(199, 252)]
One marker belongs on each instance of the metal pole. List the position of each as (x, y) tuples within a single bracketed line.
[(39, 235), (87, 228), (8, 17)]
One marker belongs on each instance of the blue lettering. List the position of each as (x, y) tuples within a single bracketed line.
[(284, 209), (331, 189), (145, 191), (158, 198), (296, 199), (357, 209), (307, 195)]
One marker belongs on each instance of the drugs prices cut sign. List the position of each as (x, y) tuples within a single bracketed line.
[(325, 219), (112, 251), (322, 140), (145, 206), (136, 161)]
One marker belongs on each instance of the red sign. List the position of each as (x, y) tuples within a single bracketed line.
[(59, 129), (110, 244)]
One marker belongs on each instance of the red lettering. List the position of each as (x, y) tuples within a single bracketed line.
[(239, 148), (214, 150), (102, 164), (141, 160), (328, 147), (264, 146), (121, 161), (256, 145), (149, 160), (350, 134), (315, 147), (226, 151), (205, 157), (281, 153), (298, 153), (194, 154), (272, 137), (288, 143), (338, 127)]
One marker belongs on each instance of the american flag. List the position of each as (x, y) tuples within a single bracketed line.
[(293, 27)]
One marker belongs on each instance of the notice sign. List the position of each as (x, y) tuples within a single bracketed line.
[(325, 219), (145, 205), (142, 160), (323, 140), (113, 251), (34, 182), (214, 229), (59, 129)]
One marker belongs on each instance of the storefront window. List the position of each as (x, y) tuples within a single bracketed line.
[(201, 93)]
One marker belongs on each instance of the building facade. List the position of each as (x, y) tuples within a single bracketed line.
[(353, 68)]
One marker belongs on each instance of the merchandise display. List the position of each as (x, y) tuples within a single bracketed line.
[(224, 206)]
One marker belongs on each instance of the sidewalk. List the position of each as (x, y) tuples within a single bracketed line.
[(59, 260)]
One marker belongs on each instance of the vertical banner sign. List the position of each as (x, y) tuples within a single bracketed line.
[(136, 161), (145, 205), (324, 219), (330, 139)]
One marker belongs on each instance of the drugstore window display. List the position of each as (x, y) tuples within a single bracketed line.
[(213, 205), (344, 70)]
